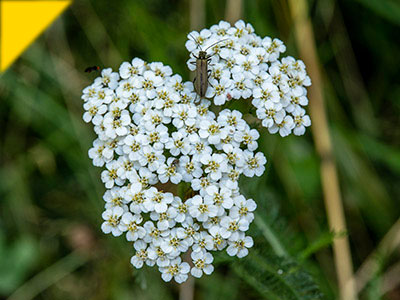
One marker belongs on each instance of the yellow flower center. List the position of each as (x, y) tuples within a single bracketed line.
[(203, 208)]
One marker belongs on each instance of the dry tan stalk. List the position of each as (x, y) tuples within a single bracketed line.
[(329, 177), (233, 10)]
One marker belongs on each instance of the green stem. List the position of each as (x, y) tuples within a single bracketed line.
[(270, 236), (49, 276)]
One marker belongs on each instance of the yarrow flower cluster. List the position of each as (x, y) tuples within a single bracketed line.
[(244, 65), (154, 135)]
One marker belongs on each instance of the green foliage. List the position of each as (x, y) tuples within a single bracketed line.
[(388, 9), (17, 259), (277, 278)]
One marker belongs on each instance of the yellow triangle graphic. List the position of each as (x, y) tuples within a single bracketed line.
[(21, 22)]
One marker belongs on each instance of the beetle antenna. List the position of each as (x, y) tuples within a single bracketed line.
[(194, 40), (215, 44)]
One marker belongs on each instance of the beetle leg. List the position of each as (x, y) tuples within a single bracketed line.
[(193, 62)]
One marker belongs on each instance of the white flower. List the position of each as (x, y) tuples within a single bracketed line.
[(267, 92), (126, 89), (173, 244), (157, 201), (248, 137), (232, 119), (189, 168), (178, 144), (184, 114), (301, 121), (165, 219), (294, 101), (220, 90), (273, 48), (137, 201), (126, 168), (149, 82), (239, 246), (254, 164), (232, 226), (246, 65), (153, 235), (270, 114), (243, 208), (151, 158), (284, 127), (112, 219), (100, 153), (160, 70), (234, 154), (110, 176), (177, 270), (202, 241), (117, 125), (153, 118), (91, 92), (188, 230), (147, 177), (156, 137), (215, 165), (94, 111), (211, 131), (219, 236), (220, 29), (221, 198), (113, 197), (200, 184), (181, 209), (136, 67), (199, 147), (130, 223), (169, 171), (166, 100), (242, 86), (141, 255), (201, 209), (155, 253), (195, 39), (108, 78), (202, 263), (132, 147)]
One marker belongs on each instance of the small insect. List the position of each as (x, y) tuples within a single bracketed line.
[(229, 97), (175, 163), (92, 69), (189, 194), (200, 80)]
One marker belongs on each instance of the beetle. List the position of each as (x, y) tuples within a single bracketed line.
[(92, 69), (202, 72), (175, 163)]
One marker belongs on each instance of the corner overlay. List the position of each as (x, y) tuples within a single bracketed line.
[(21, 22)]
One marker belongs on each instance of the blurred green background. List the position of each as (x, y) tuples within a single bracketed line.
[(51, 245)]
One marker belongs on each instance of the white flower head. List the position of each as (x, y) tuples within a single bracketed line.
[(172, 160)]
